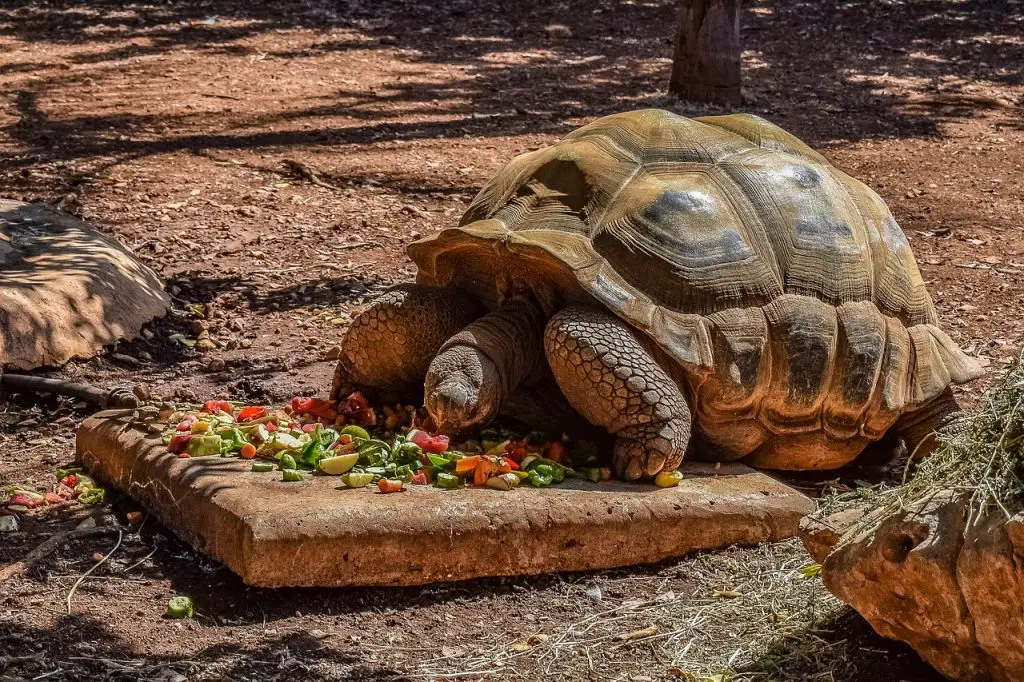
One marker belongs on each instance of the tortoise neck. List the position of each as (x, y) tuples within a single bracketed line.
[(511, 337)]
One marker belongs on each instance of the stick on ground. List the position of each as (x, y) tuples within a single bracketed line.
[(48, 546)]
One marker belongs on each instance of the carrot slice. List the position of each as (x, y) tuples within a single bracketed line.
[(467, 464)]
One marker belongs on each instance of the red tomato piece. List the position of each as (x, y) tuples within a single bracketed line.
[(250, 412), (187, 423), (53, 498), (355, 408), (309, 428), (556, 452), (271, 426), (24, 500), (322, 409), (215, 406), (433, 444), (179, 443), (420, 478), (515, 451), (70, 480), (510, 463)]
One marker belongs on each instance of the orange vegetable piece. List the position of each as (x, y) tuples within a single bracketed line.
[(467, 464), (387, 485), (488, 467), (248, 451), (556, 452)]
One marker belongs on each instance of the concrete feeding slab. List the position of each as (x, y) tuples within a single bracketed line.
[(311, 533)]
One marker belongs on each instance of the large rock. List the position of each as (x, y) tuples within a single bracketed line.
[(66, 289), (940, 574)]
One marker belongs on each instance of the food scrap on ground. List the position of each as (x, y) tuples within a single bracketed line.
[(309, 436)]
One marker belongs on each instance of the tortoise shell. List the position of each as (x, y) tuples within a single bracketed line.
[(782, 287)]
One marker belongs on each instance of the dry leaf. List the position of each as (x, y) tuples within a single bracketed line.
[(638, 634)]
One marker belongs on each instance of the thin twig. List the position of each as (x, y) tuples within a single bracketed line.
[(48, 546), (120, 536)]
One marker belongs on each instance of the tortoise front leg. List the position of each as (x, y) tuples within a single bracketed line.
[(389, 345), (917, 428), (611, 379)]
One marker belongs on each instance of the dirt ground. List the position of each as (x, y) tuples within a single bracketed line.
[(171, 125)]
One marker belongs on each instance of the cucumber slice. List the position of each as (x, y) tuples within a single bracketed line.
[(286, 462), (179, 607), (356, 432), (338, 465), (357, 479), (262, 466)]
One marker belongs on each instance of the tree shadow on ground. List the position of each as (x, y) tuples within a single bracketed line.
[(84, 648), (507, 75), (843, 648)]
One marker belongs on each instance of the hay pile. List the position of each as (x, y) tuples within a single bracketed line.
[(936, 562)]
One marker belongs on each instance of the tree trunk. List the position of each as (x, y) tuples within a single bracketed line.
[(706, 64)]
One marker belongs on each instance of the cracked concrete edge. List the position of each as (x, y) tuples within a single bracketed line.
[(362, 538)]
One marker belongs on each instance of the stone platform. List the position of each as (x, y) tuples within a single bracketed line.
[(311, 533)]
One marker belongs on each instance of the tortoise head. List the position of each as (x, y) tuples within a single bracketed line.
[(463, 387)]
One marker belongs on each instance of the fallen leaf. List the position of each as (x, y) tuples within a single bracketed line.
[(726, 594), (638, 634)]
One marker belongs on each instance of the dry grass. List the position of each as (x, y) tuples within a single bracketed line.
[(747, 618)]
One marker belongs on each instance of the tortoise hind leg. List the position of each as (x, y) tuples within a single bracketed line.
[(917, 428), (389, 346), (612, 380)]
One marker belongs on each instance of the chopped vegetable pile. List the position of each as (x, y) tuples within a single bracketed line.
[(73, 485), (316, 437)]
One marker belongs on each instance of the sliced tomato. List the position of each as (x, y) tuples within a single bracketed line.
[(515, 451), (187, 423), (433, 444), (420, 478), (250, 412), (556, 452), (215, 406), (179, 443), (356, 409), (309, 428), (271, 426), (26, 500), (321, 409), (70, 480)]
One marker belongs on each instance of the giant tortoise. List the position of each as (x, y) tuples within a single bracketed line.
[(709, 283)]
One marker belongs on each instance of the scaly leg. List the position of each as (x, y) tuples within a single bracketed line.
[(613, 381), (389, 345)]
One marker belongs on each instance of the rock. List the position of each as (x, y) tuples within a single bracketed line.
[(558, 31), (332, 353), (820, 535), (939, 574), (141, 391), (216, 365)]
